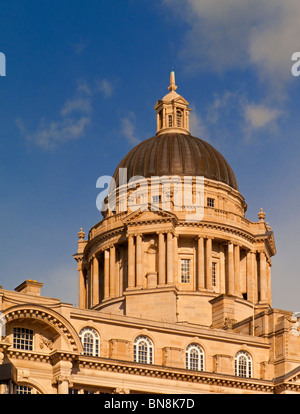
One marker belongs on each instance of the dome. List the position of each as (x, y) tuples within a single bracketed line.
[(176, 154)]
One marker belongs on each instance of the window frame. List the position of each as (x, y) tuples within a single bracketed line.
[(243, 370), (22, 389), (210, 202), (149, 350), (182, 259), (21, 342), (179, 118), (94, 345), (200, 357), (214, 274)]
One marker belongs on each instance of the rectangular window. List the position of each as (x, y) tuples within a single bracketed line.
[(185, 270), (156, 199), (170, 121), (23, 339), (210, 202), (214, 274), (22, 389)]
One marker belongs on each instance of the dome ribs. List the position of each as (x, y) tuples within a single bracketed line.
[(177, 154)]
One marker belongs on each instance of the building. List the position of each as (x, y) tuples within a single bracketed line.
[(174, 287)]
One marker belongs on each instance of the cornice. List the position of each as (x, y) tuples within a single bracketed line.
[(155, 371)]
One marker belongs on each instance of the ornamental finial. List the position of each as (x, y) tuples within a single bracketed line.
[(81, 234), (261, 215)]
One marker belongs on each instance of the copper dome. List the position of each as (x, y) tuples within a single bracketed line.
[(176, 154)]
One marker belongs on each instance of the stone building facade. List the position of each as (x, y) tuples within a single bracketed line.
[(174, 287)]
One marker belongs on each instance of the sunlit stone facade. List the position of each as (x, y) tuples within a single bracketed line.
[(171, 299)]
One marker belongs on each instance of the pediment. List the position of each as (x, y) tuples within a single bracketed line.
[(180, 100), (149, 214)]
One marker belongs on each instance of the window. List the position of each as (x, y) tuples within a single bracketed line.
[(23, 339), (243, 364), (143, 350), (194, 357), (178, 117), (170, 121), (22, 389), (214, 274), (156, 199), (185, 273), (161, 119), (210, 202), (90, 341)]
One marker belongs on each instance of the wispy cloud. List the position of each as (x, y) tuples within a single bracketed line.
[(78, 104), (73, 119), (196, 122), (105, 87), (50, 135), (79, 46), (128, 128)]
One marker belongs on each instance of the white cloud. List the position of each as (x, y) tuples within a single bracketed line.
[(128, 128), (260, 116), (235, 34), (50, 135)]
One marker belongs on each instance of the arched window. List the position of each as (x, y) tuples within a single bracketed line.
[(178, 117), (243, 364), (90, 341), (170, 121), (143, 350), (194, 357)]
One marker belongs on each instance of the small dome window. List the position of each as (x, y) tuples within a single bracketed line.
[(179, 118)]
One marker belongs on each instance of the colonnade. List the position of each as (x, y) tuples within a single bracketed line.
[(256, 274)]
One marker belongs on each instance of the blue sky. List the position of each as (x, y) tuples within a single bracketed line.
[(82, 79)]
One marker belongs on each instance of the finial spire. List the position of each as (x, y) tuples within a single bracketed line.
[(172, 86)]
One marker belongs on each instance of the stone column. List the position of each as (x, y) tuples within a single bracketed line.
[(222, 269), (200, 264), (82, 286), (89, 284), (170, 279), (131, 262), (175, 258), (121, 271), (139, 261), (251, 277), (161, 259), (112, 271), (263, 277), (106, 274), (237, 259), (208, 263), (95, 278), (230, 269)]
